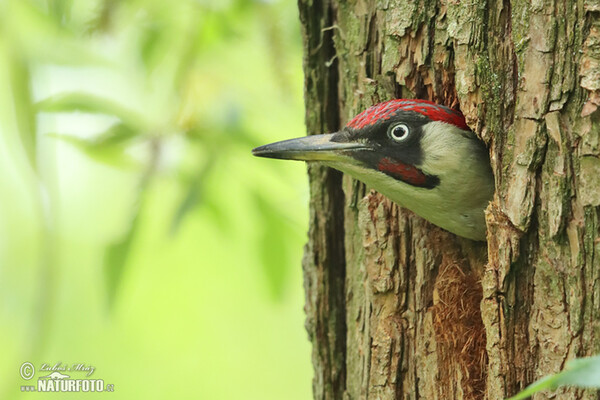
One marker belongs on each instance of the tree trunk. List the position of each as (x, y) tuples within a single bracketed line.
[(400, 309)]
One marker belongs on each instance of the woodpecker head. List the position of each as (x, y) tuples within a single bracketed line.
[(421, 155)]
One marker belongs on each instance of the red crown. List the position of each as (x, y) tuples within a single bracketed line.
[(387, 109)]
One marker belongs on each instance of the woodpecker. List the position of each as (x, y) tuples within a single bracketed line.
[(419, 154)]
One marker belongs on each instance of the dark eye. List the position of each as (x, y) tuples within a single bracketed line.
[(399, 132)]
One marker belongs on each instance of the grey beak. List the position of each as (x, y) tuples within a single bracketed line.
[(308, 148)]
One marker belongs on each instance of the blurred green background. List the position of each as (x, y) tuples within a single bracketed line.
[(137, 233)]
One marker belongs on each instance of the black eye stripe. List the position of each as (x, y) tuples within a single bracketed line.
[(379, 137)]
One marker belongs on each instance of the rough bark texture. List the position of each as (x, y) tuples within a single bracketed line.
[(400, 309)]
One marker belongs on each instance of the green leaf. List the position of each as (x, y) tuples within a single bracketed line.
[(581, 372), (118, 134), (109, 148), (218, 214), (20, 81), (60, 10), (193, 194), (87, 102), (116, 257), (273, 248)]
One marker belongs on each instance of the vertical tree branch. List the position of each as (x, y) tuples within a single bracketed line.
[(324, 260), (429, 315)]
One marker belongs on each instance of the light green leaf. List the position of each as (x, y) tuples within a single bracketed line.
[(117, 255), (581, 372), (117, 134), (60, 9), (87, 102), (109, 148), (20, 80), (273, 249), (193, 195)]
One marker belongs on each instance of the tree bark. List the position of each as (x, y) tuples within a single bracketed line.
[(400, 309)]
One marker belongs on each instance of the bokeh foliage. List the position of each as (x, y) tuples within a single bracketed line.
[(137, 234)]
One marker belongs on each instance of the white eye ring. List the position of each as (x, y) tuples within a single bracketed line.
[(399, 132)]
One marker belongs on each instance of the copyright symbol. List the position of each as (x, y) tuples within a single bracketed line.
[(27, 371)]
